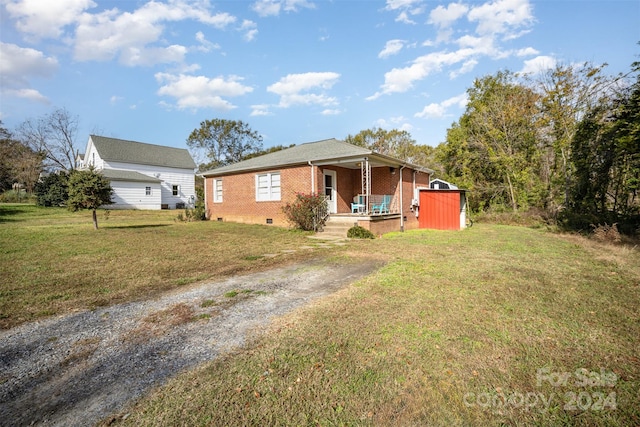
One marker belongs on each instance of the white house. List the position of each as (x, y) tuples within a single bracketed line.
[(143, 176)]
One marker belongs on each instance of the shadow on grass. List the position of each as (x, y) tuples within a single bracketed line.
[(6, 213), (126, 227)]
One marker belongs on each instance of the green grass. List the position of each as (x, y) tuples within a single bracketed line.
[(455, 325), (52, 261)]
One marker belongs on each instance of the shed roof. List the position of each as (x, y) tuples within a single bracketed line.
[(123, 175), (327, 150), (120, 150)]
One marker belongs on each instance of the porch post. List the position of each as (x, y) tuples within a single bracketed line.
[(365, 171)]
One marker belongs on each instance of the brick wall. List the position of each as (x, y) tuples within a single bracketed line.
[(239, 196)]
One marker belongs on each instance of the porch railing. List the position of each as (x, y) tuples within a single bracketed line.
[(320, 214), (375, 204)]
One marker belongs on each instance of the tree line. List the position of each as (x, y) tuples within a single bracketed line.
[(566, 144)]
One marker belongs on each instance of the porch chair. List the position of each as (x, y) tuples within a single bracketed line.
[(383, 206), (357, 206)]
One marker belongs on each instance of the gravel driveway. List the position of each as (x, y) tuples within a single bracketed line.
[(80, 368)]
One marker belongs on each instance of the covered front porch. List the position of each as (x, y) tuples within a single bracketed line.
[(374, 193)]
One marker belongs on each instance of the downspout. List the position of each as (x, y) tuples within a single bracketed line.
[(401, 199), (414, 195), (313, 186), (206, 204)]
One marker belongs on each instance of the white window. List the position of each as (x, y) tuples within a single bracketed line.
[(147, 191), (217, 190), (268, 186), (175, 189)]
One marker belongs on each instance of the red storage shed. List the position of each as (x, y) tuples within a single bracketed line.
[(442, 208)]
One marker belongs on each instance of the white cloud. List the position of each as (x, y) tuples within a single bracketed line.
[(440, 110), (134, 56), (501, 16), (46, 18), (195, 92), (402, 79), (405, 9), (331, 112), (266, 8), (538, 65), (260, 110), (127, 35), (297, 89), (19, 62), (467, 67), (250, 28), (527, 51), (496, 20), (398, 123), (391, 48), (18, 65), (115, 99), (443, 17), (205, 45), (26, 93)]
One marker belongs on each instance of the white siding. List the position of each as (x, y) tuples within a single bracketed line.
[(132, 195), (183, 178), (92, 157)]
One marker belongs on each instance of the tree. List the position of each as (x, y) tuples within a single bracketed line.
[(606, 161), (393, 143), (52, 190), (88, 189), (223, 142), (497, 137), (18, 163), (267, 151), (568, 94), (54, 135)]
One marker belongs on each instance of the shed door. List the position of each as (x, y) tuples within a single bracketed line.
[(439, 209)]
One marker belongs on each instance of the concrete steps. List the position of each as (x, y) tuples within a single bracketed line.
[(336, 228)]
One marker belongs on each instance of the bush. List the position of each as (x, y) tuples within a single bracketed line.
[(19, 196), (308, 212), (197, 213), (606, 233), (358, 232), (52, 190)]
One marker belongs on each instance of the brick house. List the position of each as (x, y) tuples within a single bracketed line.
[(362, 187)]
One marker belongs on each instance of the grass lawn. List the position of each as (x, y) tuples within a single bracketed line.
[(52, 261), (494, 325)]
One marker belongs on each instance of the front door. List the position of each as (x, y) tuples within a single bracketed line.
[(330, 190)]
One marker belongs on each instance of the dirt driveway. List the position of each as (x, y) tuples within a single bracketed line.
[(80, 368)]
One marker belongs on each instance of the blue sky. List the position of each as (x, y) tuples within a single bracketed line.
[(294, 70)]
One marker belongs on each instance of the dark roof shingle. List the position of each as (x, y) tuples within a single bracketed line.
[(325, 150), (299, 154), (123, 175), (119, 150)]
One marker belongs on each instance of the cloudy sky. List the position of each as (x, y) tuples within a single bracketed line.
[(295, 70)]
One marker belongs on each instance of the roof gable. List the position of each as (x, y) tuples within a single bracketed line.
[(119, 150)]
